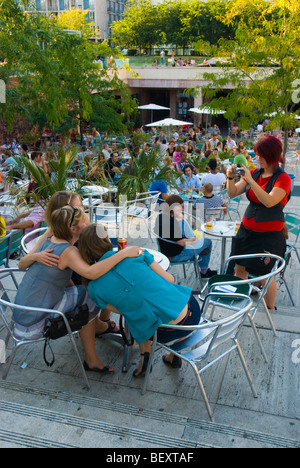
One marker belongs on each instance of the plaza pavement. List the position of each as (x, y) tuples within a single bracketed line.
[(43, 407)]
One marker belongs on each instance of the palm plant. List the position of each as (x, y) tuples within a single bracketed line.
[(146, 168), (60, 169)]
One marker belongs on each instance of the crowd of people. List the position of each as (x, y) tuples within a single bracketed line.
[(74, 263)]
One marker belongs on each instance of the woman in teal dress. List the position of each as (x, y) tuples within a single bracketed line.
[(140, 290)]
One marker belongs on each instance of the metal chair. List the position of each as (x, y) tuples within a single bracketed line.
[(6, 304), (27, 246), (15, 241), (217, 213), (111, 216), (222, 282), (292, 221), (282, 279), (233, 206), (142, 208), (4, 256), (202, 348), (194, 261)]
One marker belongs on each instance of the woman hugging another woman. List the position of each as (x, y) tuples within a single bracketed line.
[(50, 286)]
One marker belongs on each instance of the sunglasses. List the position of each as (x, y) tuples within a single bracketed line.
[(73, 215)]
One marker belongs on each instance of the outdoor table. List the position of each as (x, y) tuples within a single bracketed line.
[(93, 190), (190, 197), (160, 258), (225, 230)]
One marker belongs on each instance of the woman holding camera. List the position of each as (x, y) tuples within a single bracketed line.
[(268, 190)]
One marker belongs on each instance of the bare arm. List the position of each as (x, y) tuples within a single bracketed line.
[(45, 257), (267, 199), (161, 272), (20, 225), (71, 258), (184, 242)]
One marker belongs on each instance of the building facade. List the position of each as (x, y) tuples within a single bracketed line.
[(102, 12)]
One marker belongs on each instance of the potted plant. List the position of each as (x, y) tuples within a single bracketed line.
[(60, 169), (143, 170)]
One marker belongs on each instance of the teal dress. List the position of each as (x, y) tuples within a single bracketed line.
[(144, 298)]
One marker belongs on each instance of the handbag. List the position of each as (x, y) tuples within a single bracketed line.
[(128, 339), (55, 328)]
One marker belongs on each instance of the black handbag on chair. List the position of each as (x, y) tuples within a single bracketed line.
[(55, 328)]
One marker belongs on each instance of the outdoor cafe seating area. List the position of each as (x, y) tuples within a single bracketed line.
[(236, 327)]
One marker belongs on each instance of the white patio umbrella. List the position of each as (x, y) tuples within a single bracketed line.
[(206, 110), (297, 130), (153, 107), (169, 123)]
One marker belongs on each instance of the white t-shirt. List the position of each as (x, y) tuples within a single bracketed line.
[(231, 144), (215, 179)]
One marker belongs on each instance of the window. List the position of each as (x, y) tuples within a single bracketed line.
[(52, 5)]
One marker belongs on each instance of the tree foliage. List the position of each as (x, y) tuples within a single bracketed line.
[(55, 72), (264, 63), (175, 22)]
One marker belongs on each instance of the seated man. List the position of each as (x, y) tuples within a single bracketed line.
[(171, 225), (38, 158), (113, 168), (29, 221), (184, 162), (191, 182), (239, 159), (209, 200), (159, 186)]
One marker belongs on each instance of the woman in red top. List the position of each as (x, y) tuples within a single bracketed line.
[(268, 190)]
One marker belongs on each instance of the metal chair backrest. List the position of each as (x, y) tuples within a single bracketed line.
[(15, 240), (143, 206), (212, 334), (217, 213), (203, 341), (27, 246), (5, 249), (292, 221), (277, 268), (5, 304)]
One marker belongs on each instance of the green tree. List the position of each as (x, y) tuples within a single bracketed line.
[(176, 22), (264, 63), (139, 28), (56, 73)]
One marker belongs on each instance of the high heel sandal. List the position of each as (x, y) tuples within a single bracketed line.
[(136, 372)]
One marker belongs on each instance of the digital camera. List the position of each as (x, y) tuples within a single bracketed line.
[(239, 171)]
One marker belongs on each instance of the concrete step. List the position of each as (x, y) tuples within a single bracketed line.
[(67, 420)]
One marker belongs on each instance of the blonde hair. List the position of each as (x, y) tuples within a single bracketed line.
[(63, 219), (58, 200)]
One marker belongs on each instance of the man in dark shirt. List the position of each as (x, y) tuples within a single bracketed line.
[(178, 241), (113, 168)]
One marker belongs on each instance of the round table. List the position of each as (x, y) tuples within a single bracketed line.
[(93, 190), (223, 229), (190, 197), (160, 258)]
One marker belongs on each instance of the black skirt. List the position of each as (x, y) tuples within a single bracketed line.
[(252, 242)]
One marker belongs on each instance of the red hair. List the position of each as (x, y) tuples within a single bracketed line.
[(269, 148)]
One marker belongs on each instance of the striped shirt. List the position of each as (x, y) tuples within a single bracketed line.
[(216, 201)]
